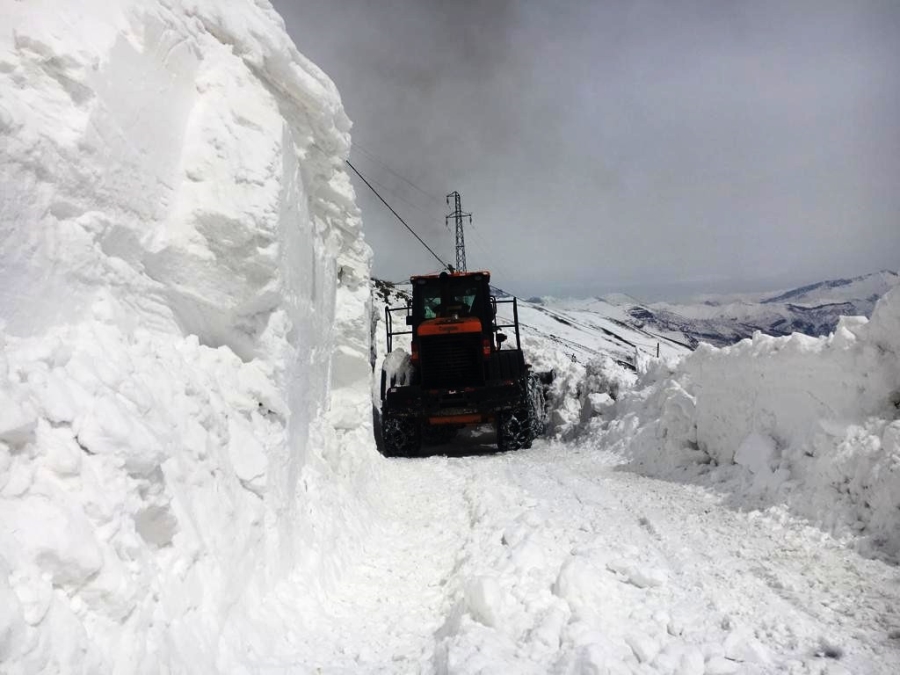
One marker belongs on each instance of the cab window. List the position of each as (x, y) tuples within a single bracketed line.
[(458, 298), (431, 301)]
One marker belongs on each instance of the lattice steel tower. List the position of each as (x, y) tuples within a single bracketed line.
[(458, 216)]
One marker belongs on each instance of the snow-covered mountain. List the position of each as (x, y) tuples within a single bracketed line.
[(722, 320)]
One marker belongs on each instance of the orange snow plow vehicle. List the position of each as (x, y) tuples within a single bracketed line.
[(460, 370)]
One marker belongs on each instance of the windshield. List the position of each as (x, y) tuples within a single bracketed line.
[(458, 300)]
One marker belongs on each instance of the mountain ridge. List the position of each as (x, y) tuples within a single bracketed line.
[(812, 309)]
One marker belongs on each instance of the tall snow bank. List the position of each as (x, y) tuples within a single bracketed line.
[(810, 423), (184, 377)]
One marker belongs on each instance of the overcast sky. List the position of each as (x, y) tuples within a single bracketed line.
[(653, 148)]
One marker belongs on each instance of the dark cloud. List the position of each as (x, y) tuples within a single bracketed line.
[(658, 148)]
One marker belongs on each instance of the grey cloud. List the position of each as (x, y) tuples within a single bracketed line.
[(653, 147)]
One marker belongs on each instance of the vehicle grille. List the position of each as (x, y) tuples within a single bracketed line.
[(452, 361)]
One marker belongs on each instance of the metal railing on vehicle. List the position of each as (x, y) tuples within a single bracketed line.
[(515, 324), (389, 322)]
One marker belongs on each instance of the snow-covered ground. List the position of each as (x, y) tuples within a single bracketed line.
[(753, 491), (811, 424), (556, 560), (188, 477)]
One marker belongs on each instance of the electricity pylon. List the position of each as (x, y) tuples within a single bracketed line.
[(458, 216)]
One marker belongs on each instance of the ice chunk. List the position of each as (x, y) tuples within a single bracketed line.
[(645, 648), (485, 598), (247, 455), (638, 575), (719, 665), (756, 453), (12, 621), (17, 420)]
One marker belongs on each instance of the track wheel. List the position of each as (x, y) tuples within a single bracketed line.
[(537, 404), (514, 430), (401, 436)]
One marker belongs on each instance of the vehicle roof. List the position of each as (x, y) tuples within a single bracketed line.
[(452, 275)]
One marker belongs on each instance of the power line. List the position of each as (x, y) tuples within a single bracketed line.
[(484, 246), (401, 198), (432, 197), (375, 159), (498, 260), (397, 215)]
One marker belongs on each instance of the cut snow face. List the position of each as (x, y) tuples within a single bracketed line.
[(805, 424), (185, 366)]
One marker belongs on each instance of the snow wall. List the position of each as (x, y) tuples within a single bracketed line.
[(184, 333), (806, 424)]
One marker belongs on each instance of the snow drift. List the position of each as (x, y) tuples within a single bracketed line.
[(808, 423), (185, 340)]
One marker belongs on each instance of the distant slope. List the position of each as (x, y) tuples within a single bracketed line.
[(813, 309), (864, 289)]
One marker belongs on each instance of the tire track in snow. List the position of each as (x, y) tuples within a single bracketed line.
[(381, 615), (793, 587), (555, 560), (397, 599)]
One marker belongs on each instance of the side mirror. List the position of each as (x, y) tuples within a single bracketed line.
[(409, 321), (501, 338)]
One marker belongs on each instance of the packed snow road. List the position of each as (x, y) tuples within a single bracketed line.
[(556, 560)]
